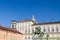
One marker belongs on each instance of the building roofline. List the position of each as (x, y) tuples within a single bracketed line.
[(26, 21), (13, 20), (46, 23), (9, 29)]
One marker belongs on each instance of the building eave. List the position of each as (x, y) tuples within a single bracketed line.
[(26, 21), (9, 29), (46, 23)]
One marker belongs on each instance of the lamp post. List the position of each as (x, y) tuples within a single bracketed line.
[(47, 36), (47, 33)]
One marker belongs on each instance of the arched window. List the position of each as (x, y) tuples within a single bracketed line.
[(12, 26)]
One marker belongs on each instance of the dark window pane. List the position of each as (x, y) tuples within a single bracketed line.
[(52, 30), (48, 30), (57, 29), (25, 37), (44, 30), (28, 37), (12, 26)]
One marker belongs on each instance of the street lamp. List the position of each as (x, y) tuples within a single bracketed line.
[(47, 36)]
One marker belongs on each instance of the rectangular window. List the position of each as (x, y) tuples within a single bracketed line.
[(57, 29), (25, 37), (29, 37), (28, 31), (25, 31), (32, 31), (48, 30), (52, 29), (44, 30)]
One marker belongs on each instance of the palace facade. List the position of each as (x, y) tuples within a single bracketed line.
[(27, 27)]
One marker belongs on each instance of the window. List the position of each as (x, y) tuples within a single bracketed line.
[(44, 30), (25, 31), (12, 26), (48, 30), (57, 29), (52, 30), (32, 30), (25, 37), (28, 37), (29, 31)]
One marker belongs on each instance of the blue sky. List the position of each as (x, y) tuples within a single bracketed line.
[(43, 10)]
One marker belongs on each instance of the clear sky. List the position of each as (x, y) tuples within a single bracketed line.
[(43, 10)]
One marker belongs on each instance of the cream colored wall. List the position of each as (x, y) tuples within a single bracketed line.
[(6, 35), (2, 34), (52, 35), (23, 27), (45, 26)]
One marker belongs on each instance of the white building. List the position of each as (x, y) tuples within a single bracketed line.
[(27, 27), (50, 28)]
